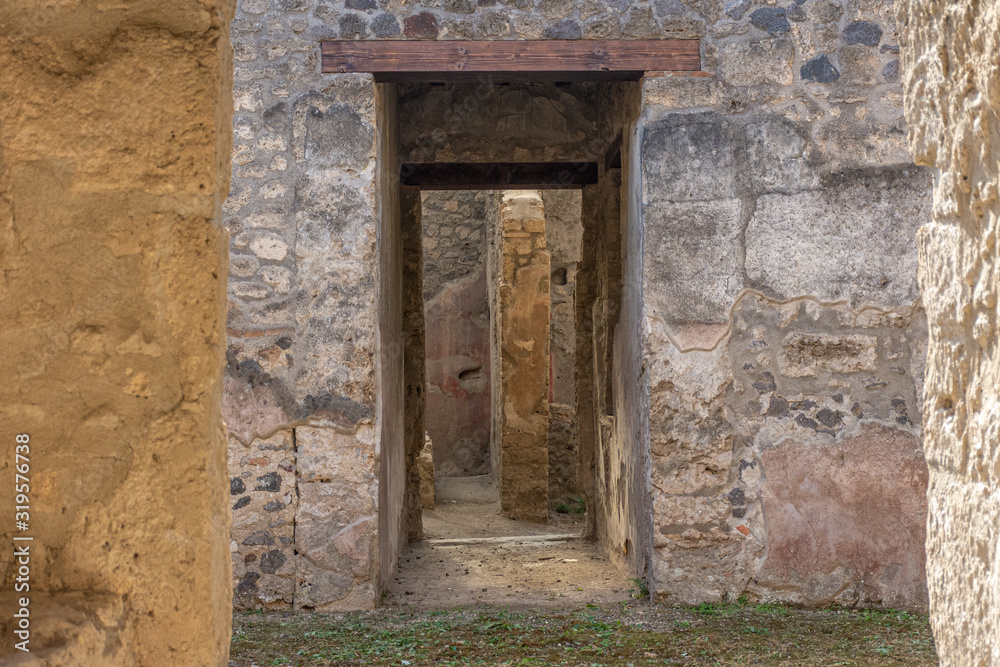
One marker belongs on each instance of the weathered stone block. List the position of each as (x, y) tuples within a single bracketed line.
[(326, 455), (692, 260), (807, 354), (767, 61), (777, 154), (803, 243), (688, 157)]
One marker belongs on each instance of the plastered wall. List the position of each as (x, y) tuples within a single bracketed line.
[(952, 87), (456, 314), (783, 334), (769, 211), (116, 130)]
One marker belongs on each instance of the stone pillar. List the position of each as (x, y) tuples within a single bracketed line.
[(116, 127), (519, 268), (951, 96)]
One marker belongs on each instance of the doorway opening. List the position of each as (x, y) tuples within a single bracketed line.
[(512, 224)]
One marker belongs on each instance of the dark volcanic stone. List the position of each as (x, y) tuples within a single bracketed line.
[(383, 25), (248, 584), (891, 71), (460, 6), (796, 13), (236, 486), (421, 26), (765, 383), (353, 26), (820, 70), (361, 5), (830, 418), (771, 19), (242, 502), (777, 407), (863, 32), (805, 422), (274, 506), (271, 561), (565, 29), (269, 482), (259, 538)]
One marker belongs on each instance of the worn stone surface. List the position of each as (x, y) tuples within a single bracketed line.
[(950, 80), (783, 176), (519, 265), (264, 499), (781, 313), (426, 466), (563, 238), (414, 362), (116, 128), (845, 522), (456, 312), (309, 195)]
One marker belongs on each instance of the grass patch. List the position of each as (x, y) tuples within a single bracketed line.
[(637, 633)]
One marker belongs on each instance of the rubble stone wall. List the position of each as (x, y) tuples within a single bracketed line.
[(951, 81), (779, 179), (783, 332)]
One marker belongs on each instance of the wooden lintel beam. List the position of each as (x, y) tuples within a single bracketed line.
[(498, 175), (554, 60)]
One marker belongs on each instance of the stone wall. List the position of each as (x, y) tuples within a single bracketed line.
[(457, 323), (779, 178), (304, 308), (783, 332), (952, 95), (563, 238), (519, 265), (116, 131)]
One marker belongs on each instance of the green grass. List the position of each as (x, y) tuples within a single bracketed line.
[(575, 506), (634, 633)]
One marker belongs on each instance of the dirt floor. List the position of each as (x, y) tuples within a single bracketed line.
[(472, 554)]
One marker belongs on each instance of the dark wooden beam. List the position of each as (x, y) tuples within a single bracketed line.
[(531, 60), (497, 175)]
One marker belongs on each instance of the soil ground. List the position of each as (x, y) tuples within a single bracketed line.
[(472, 554)]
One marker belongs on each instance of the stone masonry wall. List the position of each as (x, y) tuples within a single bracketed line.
[(952, 97), (783, 330), (563, 237), (782, 175), (304, 214), (457, 324)]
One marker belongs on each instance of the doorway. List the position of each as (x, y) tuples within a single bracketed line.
[(510, 268)]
